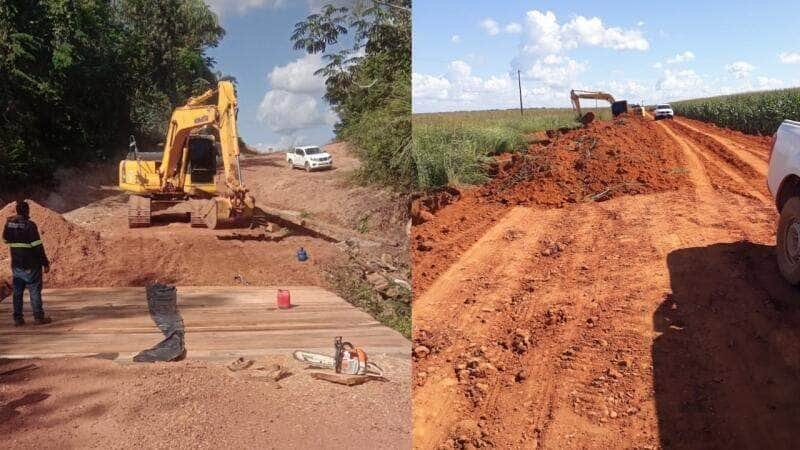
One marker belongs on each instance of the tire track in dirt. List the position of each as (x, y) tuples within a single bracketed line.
[(757, 146), (751, 156), (461, 296), (543, 314), (697, 171), (717, 165)]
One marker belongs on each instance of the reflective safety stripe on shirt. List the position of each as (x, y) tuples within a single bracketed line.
[(23, 245)]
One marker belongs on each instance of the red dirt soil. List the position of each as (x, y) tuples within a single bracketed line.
[(91, 403), (625, 156), (173, 253), (656, 320)]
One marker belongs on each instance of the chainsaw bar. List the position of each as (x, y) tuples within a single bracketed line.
[(320, 361)]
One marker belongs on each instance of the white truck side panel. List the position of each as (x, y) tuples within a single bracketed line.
[(785, 159)]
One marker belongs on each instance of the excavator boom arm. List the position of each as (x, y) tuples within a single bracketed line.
[(576, 95), (229, 138)]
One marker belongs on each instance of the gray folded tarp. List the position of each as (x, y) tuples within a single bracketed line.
[(162, 301)]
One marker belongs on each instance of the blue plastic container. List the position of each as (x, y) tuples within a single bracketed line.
[(302, 255)]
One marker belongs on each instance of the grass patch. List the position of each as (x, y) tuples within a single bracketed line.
[(451, 149), (347, 281)]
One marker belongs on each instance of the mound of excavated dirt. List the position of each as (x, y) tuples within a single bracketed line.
[(67, 245), (606, 159)]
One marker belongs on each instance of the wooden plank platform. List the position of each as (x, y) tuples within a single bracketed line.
[(221, 323)]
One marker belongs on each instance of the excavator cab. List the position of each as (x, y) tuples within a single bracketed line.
[(202, 160)]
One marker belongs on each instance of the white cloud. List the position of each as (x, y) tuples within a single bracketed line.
[(544, 35), (455, 39), (490, 26), (657, 65), (458, 88), (459, 70), (429, 87), (640, 23), (294, 102), (682, 84), (790, 57), (769, 83), (315, 6), (740, 69), (242, 6), (555, 71), (286, 112), (681, 58), (513, 28), (298, 75)]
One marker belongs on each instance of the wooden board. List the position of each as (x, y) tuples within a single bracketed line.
[(221, 323)]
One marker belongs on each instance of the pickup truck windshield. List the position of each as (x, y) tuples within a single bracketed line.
[(662, 106), (313, 151)]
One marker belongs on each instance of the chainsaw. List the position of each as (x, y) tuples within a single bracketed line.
[(346, 359)]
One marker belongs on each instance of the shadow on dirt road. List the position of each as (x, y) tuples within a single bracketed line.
[(727, 365)]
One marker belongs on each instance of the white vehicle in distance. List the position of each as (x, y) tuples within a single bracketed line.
[(309, 157), (783, 181), (664, 111)]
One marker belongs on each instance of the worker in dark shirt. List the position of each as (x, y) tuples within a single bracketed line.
[(28, 261)]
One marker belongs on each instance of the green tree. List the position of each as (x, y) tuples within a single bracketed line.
[(77, 76)]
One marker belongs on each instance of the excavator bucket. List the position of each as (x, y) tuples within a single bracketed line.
[(220, 212)]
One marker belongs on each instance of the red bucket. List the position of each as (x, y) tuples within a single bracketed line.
[(284, 299)]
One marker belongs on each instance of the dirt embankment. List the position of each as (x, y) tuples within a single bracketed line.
[(655, 320), (626, 156)]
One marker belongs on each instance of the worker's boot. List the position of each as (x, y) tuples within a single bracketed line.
[(19, 322), (42, 321)]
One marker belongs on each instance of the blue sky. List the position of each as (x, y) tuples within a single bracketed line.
[(280, 100), (467, 53)]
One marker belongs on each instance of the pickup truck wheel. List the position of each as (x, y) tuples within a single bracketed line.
[(788, 249)]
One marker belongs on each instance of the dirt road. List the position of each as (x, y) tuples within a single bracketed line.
[(656, 320)]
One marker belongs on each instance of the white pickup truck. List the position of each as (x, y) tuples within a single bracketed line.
[(783, 181), (663, 111), (309, 158)]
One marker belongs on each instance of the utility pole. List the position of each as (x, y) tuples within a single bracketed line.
[(519, 81)]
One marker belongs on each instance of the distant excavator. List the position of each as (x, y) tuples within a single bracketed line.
[(617, 107), (186, 169)]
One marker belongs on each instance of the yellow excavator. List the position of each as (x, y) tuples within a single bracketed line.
[(186, 169), (617, 107)]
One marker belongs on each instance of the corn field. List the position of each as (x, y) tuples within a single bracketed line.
[(752, 112)]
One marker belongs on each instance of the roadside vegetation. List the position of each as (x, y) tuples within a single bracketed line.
[(752, 112), (348, 281), (452, 149), (77, 77), (368, 81)]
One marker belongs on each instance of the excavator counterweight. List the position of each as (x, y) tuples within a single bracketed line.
[(185, 171)]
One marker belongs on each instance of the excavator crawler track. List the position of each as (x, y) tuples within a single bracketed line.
[(139, 213)]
